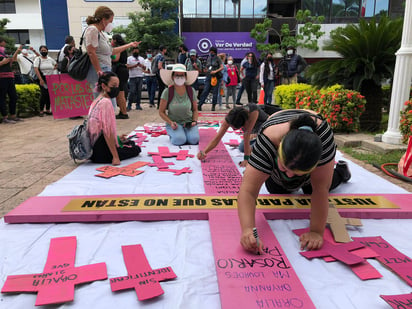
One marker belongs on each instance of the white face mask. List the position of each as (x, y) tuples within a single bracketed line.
[(179, 80), (229, 62), (290, 52), (109, 27)]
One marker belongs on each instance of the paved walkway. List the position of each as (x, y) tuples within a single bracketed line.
[(34, 153)]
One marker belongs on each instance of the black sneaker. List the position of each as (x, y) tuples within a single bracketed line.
[(343, 170), (238, 103), (122, 116), (213, 108), (199, 107)]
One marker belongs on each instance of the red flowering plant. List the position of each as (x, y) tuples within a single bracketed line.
[(341, 108), (405, 125)]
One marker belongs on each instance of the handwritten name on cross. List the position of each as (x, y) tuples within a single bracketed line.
[(159, 162), (177, 172), (128, 170), (141, 276), (165, 153), (56, 284)]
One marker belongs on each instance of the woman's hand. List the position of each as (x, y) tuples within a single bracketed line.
[(173, 125), (41, 82), (123, 138), (115, 161), (134, 44), (201, 155), (311, 241), (243, 163), (249, 243)]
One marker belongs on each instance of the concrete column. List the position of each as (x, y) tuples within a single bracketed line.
[(402, 79)]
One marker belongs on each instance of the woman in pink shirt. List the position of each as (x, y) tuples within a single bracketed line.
[(107, 146)]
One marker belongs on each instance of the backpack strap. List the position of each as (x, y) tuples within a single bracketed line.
[(171, 94), (28, 59)]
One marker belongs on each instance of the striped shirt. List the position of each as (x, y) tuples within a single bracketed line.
[(264, 153)]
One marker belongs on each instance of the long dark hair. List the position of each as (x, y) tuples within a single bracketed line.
[(301, 147), (100, 13), (267, 64), (119, 39), (104, 79), (237, 117)]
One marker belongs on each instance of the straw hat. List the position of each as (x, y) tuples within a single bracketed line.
[(166, 75)]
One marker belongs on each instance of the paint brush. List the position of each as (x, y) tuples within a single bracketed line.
[(255, 234)]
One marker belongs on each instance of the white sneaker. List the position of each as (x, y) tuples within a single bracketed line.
[(7, 120)]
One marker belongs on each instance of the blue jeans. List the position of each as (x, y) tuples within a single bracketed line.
[(92, 79), (151, 82), (183, 135), (242, 144), (239, 93), (269, 87), (135, 91), (207, 89)]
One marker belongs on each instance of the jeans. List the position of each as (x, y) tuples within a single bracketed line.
[(92, 79), (135, 91), (241, 146), (239, 93), (231, 91), (151, 82), (207, 89), (183, 135), (269, 87), (7, 87)]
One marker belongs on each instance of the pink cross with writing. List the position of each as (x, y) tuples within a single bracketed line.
[(128, 170), (141, 276), (177, 172), (56, 284), (165, 153), (160, 163)]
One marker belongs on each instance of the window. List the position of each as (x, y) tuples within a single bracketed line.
[(345, 8), (317, 7), (196, 8), (372, 8), (7, 7), (19, 36), (224, 9)]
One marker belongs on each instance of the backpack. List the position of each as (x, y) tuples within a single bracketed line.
[(32, 73), (80, 147), (154, 65), (189, 91)]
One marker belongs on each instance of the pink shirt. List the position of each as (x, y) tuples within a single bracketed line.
[(101, 120)]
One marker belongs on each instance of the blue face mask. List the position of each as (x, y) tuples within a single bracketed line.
[(212, 55), (149, 55)]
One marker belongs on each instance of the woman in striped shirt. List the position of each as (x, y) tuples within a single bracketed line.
[(294, 149)]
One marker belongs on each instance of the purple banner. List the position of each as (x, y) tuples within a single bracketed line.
[(235, 44)]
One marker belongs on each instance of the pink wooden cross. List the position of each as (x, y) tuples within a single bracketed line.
[(398, 301), (233, 143), (160, 163), (141, 276), (128, 170), (56, 284), (177, 172), (140, 138), (165, 153)]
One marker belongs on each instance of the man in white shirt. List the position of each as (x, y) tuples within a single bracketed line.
[(151, 80), (25, 60), (136, 66)]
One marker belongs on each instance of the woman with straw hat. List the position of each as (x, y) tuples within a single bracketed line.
[(180, 101)]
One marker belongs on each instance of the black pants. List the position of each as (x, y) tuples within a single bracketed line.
[(7, 87), (162, 87), (274, 188), (44, 99), (251, 90), (102, 154)]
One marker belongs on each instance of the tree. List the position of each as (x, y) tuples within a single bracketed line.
[(9, 40), (154, 26), (307, 36), (367, 58)]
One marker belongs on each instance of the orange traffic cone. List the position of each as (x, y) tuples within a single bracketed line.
[(261, 97)]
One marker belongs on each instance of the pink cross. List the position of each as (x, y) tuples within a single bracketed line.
[(128, 170), (177, 172), (165, 153), (233, 143), (141, 276), (160, 163), (56, 284)]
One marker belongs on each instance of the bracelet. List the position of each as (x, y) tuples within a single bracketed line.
[(245, 157)]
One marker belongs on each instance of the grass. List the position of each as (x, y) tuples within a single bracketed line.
[(372, 157)]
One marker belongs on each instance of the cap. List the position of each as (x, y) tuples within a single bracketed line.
[(192, 52)]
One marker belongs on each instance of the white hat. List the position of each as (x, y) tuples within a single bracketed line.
[(24, 51), (166, 75)]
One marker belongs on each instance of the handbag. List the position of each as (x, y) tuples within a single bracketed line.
[(80, 65)]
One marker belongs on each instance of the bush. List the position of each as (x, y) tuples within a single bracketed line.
[(405, 125), (285, 95), (28, 97)]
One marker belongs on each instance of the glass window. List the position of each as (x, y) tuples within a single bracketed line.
[(345, 8), (246, 9), (196, 8), (372, 8), (317, 7), (7, 6), (224, 8), (260, 9), (19, 36)]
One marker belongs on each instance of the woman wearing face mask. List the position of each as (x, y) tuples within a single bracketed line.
[(268, 71), (250, 70), (43, 66), (97, 44), (107, 146), (233, 73), (180, 101)]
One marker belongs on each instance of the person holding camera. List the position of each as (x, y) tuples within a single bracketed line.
[(291, 66), (194, 64), (181, 104), (136, 66)]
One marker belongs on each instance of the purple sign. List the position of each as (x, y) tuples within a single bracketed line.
[(235, 44)]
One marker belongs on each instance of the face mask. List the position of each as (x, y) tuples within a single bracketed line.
[(114, 91), (290, 52), (179, 80), (109, 27), (135, 55), (149, 55), (44, 54), (212, 55), (270, 58), (230, 62)]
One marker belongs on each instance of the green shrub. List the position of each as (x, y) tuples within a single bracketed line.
[(285, 95), (28, 97), (405, 125)]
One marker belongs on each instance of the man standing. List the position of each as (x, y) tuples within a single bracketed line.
[(214, 67), (136, 65), (181, 58), (194, 64), (158, 64), (151, 80), (25, 60), (291, 66)]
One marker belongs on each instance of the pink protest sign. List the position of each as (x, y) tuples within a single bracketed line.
[(128, 170), (69, 97), (141, 276), (220, 174), (248, 280), (398, 301), (396, 261), (56, 284)]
